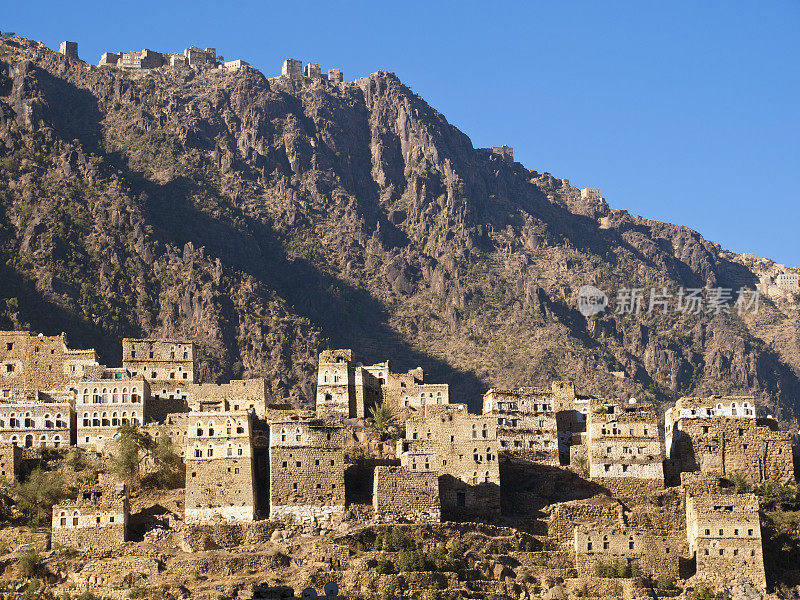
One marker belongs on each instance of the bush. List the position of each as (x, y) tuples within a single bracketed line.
[(29, 563), (665, 582), (411, 560), (38, 493), (384, 566)]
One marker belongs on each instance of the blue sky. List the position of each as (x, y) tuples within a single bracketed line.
[(681, 111)]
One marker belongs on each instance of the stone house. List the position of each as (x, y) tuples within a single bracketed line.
[(624, 447), (306, 470), (102, 405), (97, 519), (69, 49), (721, 435), (293, 69), (591, 194), (31, 421), (37, 362), (195, 57), (219, 467), (400, 493), (159, 359), (526, 423), (653, 552), (724, 533), (335, 76), (463, 449), (10, 462), (235, 65)]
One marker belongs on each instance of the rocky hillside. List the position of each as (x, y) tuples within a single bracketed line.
[(268, 219)]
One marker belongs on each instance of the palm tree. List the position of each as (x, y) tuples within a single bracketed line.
[(382, 418)]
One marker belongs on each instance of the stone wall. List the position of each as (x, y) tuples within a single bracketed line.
[(159, 359), (219, 467), (10, 461), (97, 519), (724, 533), (101, 406), (37, 424), (400, 493), (306, 470), (654, 552), (29, 361), (597, 512)]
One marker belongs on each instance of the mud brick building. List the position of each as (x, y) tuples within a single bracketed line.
[(464, 451), (103, 405), (219, 467), (721, 435), (97, 519), (10, 461), (526, 423), (724, 533), (624, 447), (306, 470), (37, 362), (655, 553), (30, 420), (400, 493)]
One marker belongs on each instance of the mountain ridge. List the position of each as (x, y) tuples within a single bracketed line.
[(268, 218)]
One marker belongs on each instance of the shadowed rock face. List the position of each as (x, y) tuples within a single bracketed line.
[(268, 218)]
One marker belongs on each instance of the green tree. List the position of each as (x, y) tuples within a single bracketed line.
[(382, 419), (132, 447), (36, 495), (167, 461)]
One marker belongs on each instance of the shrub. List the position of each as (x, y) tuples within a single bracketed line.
[(665, 582), (29, 563), (384, 566), (38, 493)]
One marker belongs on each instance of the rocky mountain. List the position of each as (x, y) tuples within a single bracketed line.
[(269, 218)]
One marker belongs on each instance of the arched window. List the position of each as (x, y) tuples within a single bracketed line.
[(297, 434), (124, 417), (105, 395), (211, 429), (87, 422), (86, 395), (134, 395), (124, 394), (95, 396), (325, 377), (115, 395), (60, 421), (48, 423), (28, 420), (95, 420), (56, 440), (104, 422), (283, 434), (14, 440), (115, 419), (75, 519), (134, 418)]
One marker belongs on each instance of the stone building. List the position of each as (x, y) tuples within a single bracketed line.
[(344, 388), (38, 362), (293, 69), (30, 420), (109, 59), (10, 462), (400, 493), (312, 71), (724, 533), (653, 552), (159, 359), (102, 405), (335, 76), (463, 449), (239, 394), (69, 49), (526, 423), (623, 446), (721, 435), (591, 194), (219, 467), (97, 519), (505, 152), (235, 65), (306, 470), (788, 281), (196, 57)]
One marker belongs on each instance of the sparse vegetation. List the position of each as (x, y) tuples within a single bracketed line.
[(36, 495)]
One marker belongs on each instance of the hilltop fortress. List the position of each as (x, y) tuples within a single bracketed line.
[(248, 457)]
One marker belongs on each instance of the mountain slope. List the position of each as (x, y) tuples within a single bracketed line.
[(268, 218)]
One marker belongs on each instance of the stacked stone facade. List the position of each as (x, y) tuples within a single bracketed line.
[(724, 533), (463, 449), (10, 462), (526, 423), (97, 519), (101, 406), (69, 49), (219, 467), (654, 553), (721, 436), (292, 68), (31, 422), (306, 470), (29, 361), (624, 446), (400, 493), (159, 359), (336, 383)]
